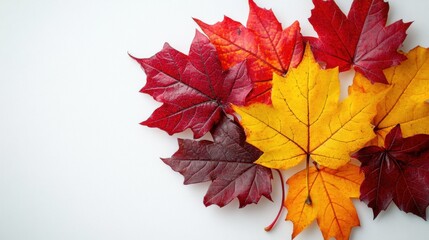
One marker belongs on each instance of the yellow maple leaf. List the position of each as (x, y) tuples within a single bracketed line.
[(405, 102), (306, 119), (330, 192)]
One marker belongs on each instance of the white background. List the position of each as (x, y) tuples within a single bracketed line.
[(75, 163)]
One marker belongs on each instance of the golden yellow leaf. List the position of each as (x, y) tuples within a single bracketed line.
[(330, 192), (405, 102), (306, 119)]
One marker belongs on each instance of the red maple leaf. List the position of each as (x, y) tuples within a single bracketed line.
[(399, 171), (361, 39), (264, 44), (194, 89), (228, 162)]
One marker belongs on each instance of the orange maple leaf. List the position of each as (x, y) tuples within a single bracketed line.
[(327, 199)]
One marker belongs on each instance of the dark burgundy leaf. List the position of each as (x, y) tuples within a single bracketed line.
[(227, 162), (397, 172)]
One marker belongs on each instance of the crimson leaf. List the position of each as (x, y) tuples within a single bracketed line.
[(227, 162), (361, 39), (195, 90), (399, 171)]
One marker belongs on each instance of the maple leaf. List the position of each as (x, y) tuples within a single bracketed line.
[(360, 39), (399, 171), (405, 102), (264, 44), (306, 121), (194, 89), (330, 203), (228, 162)]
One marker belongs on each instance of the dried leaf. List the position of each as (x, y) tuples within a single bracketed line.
[(264, 44), (306, 119), (405, 102), (360, 39), (195, 90), (399, 171), (329, 193), (227, 162)]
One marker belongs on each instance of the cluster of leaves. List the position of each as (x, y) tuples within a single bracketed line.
[(269, 97)]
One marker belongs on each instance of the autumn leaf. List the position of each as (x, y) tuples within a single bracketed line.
[(228, 162), (195, 90), (307, 121), (264, 44), (361, 39), (405, 102), (399, 171), (327, 200), (293, 113)]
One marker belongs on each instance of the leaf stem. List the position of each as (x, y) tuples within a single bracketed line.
[(307, 179), (269, 227)]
